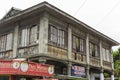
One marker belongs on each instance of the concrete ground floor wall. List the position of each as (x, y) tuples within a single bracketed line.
[(64, 68), (99, 76)]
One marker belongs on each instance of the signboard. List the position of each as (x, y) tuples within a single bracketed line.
[(78, 71), (26, 68)]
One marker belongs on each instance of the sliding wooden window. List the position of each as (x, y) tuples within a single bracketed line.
[(9, 41), (57, 37), (28, 36), (93, 50), (78, 44), (33, 34), (106, 54), (6, 42)]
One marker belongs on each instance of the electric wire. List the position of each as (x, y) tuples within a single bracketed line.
[(80, 7), (112, 9)]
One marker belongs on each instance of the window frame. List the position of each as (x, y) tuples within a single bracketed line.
[(5, 44), (106, 55), (94, 53), (26, 31), (81, 43), (59, 40)]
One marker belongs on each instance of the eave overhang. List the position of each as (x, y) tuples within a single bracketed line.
[(44, 6)]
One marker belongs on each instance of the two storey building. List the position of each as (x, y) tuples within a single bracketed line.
[(45, 34)]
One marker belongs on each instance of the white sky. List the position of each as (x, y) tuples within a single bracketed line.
[(102, 15)]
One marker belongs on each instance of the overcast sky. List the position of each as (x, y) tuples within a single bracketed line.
[(102, 15)]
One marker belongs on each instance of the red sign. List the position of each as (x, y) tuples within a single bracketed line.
[(26, 68)]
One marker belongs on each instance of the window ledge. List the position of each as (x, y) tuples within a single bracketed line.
[(6, 51), (28, 46), (83, 53), (56, 46)]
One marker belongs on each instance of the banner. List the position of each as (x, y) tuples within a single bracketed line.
[(25, 68), (78, 71)]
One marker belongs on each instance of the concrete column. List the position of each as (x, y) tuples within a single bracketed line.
[(87, 57), (87, 49), (69, 68), (111, 59), (15, 40), (101, 75), (43, 33), (92, 77), (112, 64), (88, 73), (112, 77), (69, 42), (101, 61), (101, 54)]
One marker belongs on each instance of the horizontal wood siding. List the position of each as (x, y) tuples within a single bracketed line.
[(57, 52), (79, 57), (94, 61), (107, 65)]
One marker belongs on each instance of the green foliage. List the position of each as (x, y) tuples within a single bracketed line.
[(117, 67), (106, 75), (116, 58)]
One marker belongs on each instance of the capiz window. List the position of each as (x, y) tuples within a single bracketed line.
[(78, 44), (57, 36), (28, 36), (6, 41), (106, 54), (93, 50)]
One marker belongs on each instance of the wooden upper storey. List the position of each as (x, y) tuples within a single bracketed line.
[(45, 29)]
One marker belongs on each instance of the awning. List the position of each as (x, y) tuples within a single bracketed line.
[(16, 67)]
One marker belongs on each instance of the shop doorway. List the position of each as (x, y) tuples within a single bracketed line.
[(59, 67), (4, 77), (96, 78)]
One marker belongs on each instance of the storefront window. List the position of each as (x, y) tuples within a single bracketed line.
[(4, 77)]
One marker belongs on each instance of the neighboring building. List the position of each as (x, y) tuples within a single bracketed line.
[(45, 34)]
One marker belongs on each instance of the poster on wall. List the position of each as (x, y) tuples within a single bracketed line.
[(78, 71)]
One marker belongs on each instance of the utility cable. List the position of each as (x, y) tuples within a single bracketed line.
[(80, 7), (108, 13)]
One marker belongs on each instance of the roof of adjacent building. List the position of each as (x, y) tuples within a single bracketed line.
[(16, 14), (11, 12)]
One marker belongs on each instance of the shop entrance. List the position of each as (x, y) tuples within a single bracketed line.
[(59, 67), (96, 78), (4, 77), (25, 78)]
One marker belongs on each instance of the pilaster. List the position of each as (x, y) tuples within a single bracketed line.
[(112, 76), (112, 64), (69, 42), (101, 54), (87, 49), (88, 72), (101, 74), (111, 59), (43, 33), (15, 40), (69, 68)]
